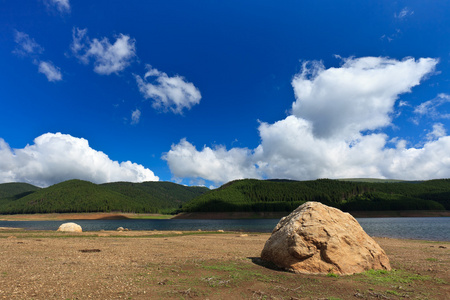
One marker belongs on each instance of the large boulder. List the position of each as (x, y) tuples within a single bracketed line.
[(70, 227), (318, 239)]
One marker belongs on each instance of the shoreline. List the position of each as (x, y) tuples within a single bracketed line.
[(279, 215), (81, 216), (210, 215)]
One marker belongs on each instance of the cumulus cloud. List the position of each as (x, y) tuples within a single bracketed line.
[(55, 157), (48, 69), (359, 95), (218, 164), (334, 130), (26, 46), (63, 6), (168, 93), (135, 116), (107, 58)]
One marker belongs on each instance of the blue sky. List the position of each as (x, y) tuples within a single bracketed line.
[(204, 92)]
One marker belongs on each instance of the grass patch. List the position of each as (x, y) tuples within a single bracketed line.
[(235, 273), (389, 277), (432, 259), (395, 293)]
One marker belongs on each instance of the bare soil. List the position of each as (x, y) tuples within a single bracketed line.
[(210, 215), (77, 216), (199, 265)]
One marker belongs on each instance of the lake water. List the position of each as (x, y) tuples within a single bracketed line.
[(437, 229)]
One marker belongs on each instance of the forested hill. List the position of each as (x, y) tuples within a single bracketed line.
[(357, 195), (83, 196), (16, 189)]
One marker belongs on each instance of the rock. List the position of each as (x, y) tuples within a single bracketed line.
[(220, 230), (318, 239), (70, 227), (120, 229)]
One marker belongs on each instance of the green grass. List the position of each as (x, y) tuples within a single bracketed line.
[(236, 272), (390, 277)]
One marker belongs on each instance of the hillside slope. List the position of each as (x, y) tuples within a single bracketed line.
[(166, 196), (13, 189), (10, 192), (285, 195), (82, 196)]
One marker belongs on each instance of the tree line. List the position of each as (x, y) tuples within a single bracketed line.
[(284, 195)]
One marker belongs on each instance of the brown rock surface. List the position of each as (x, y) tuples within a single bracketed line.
[(316, 238), (70, 227)]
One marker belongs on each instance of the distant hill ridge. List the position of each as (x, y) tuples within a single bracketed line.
[(16, 189), (246, 195), (253, 195), (83, 196)]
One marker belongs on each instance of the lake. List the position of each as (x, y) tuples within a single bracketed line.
[(437, 229)]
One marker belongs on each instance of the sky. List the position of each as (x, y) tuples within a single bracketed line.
[(204, 92)]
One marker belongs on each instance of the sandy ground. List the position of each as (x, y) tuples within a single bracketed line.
[(183, 265)]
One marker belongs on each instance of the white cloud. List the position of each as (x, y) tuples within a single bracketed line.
[(26, 46), (79, 42), (135, 116), (333, 132), (431, 108), (360, 95), (108, 58), (55, 157), (63, 6), (218, 165), (172, 93), (405, 12), (48, 69), (437, 132)]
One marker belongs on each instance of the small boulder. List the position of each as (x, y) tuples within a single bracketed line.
[(120, 228), (70, 227), (318, 239)]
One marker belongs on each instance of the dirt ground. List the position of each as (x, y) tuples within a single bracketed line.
[(199, 265), (77, 216)]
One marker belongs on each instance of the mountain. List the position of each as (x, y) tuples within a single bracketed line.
[(348, 195), (14, 189), (164, 195), (84, 196)]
